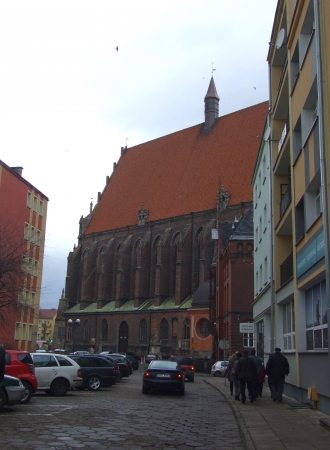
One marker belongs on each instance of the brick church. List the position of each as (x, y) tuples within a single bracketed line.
[(139, 277)]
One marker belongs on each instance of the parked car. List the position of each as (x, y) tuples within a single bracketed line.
[(122, 357), (11, 391), (187, 364), (108, 357), (124, 365), (81, 352), (219, 368), (151, 357), (56, 373), (137, 357), (19, 364), (96, 371), (133, 361), (163, 375)]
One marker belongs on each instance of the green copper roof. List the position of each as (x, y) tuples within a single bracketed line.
[(128, 306)]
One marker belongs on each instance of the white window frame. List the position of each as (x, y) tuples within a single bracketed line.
[(41, 208), (35, 203), (248, 340), (288, 326), (26, 231), (29, 199), (17, 331)]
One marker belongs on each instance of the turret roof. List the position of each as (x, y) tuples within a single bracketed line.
[(212, 90)]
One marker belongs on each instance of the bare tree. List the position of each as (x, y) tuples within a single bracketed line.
[(13, 253)]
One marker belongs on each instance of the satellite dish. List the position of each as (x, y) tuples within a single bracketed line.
[(267, 134), (280, 38)]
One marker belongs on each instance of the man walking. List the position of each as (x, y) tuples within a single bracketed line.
[(277, 368), (246, 373)]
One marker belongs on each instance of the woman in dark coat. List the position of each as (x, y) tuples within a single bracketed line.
[(246, 373)]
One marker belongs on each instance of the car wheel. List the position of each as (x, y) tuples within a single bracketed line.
[(217, 374), (93, 383), (28, 392), (144, 390), (3, 399), (59, 387)]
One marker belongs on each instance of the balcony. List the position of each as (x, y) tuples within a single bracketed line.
[(286, 269)]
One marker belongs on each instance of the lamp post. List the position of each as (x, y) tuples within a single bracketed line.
[(73, 326)]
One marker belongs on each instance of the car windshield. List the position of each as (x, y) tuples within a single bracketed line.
[(160, 364)]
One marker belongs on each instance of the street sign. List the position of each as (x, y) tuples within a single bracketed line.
[(247, 327), (224, 344), (215, 234)]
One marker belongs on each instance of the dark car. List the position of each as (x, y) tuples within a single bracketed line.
[(151, 357), (163, 375), (11, 391), (137, 357), (124, 365), (133, 361), (108, 357), (96, 371), (187, 364), (19, 364)]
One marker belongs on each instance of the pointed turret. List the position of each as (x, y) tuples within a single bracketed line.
[(211, 101)]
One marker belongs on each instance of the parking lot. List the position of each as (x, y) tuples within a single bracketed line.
[(121, 417)]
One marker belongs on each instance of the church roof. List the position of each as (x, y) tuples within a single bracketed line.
[(182, 172), (212, 91)]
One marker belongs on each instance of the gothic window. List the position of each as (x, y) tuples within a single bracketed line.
[(239, 250), (69, 334), (143, 330), (86, 330), (85, 258), (104, 330), (186, 329), (174, 327), (164, 329)]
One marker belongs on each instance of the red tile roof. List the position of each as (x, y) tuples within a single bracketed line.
[(47, 313), (180, 173)]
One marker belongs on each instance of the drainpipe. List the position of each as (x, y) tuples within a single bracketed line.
[(324, 199)]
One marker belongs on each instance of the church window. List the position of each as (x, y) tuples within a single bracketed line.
[(104, 330), (164, 329), (186, 329), (174, 327), (86, 330), (143, 330)]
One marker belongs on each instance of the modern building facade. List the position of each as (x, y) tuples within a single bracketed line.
[(146, 247), (23, 213), (299, 138), (46, 327)]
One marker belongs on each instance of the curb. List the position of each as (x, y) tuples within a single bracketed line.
[(245, 435)]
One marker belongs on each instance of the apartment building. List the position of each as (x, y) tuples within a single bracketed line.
[(23, 212), (298, 136)]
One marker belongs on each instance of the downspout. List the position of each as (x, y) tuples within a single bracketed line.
[(324, 195), (272, 327)]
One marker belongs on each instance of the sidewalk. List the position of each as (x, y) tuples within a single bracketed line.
[(273, 426)]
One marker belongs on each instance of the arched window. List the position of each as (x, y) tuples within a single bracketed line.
[(143, 330), (204, 328), (104, 330), (239, 250), (164, 329), (186, 329), (86, 330)]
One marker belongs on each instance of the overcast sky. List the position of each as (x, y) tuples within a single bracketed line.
[(69, 99)]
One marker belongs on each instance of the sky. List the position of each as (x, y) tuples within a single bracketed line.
[(69, 100)]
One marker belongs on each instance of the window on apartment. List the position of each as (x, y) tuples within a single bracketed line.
[(23, 264), (36, 266), (29, 199), (17, 330), (41, 208), (33, 235), (264, 169), (316, 317), (27, 298), (30, 267), (260, 228), (26, 231), (24, 332), (33, 299), (30, 333), (86, 330), (248, 339), (288, 326), (186, 329), (313, 201), (265, 217), (38, 237), (300, 219), (260, 271), (35, 204), (266, 271)]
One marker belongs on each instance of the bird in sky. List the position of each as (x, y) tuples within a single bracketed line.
[(117, 48)]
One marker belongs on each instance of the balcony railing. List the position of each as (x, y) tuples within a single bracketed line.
[(286, 199), (286, 269)]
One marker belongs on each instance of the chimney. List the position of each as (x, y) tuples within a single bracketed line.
[(211, 101), (18, 170)]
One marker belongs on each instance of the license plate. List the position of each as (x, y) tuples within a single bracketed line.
[(163, 375)]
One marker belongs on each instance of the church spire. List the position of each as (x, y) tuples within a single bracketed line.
[(211, 101)]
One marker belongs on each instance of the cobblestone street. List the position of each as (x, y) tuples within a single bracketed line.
[(121, 417)]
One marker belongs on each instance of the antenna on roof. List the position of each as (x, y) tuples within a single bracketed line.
[(126, 140)]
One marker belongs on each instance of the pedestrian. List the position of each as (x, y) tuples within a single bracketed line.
[(228, 373), (246, 373), (277, 368), (258, 363), (261, 380), (236, 380)]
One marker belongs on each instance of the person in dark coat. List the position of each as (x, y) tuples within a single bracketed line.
[(228, 373), (258, 363), (277, 368), (246, 373), (2, 361)]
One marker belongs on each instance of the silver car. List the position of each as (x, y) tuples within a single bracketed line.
[(11, 391), (219, 368)]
